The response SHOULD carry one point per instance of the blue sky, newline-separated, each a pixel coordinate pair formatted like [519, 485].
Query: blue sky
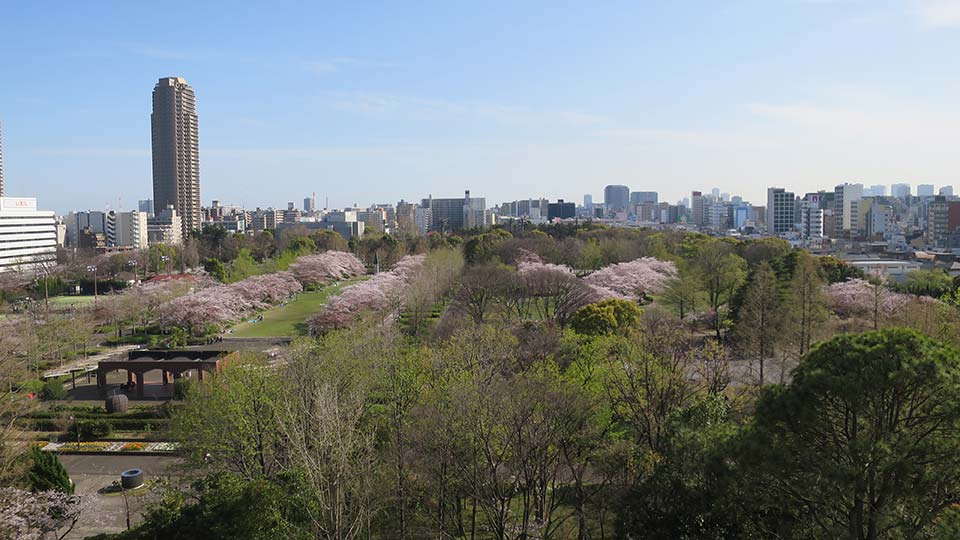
[368, 102]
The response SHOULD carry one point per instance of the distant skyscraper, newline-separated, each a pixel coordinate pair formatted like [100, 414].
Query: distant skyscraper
[644, 197]
[696, 208]
[876, 190]
[901, 191]
[176, 151]
[588, 202]
[925, 190]
[946, 191]
[310, 203]
[616, 198]
[561, 210]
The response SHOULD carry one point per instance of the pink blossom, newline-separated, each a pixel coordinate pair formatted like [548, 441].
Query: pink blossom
[525, 256]
[34, 516]
[530, 266]
[384, 290]
[631, 280]
[858, 297]
[327, 267]
[224, 304]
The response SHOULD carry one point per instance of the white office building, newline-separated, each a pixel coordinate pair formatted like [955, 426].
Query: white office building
[127, 229]
[781, 209]
[28, 237]
[847, 200]
[810, 217]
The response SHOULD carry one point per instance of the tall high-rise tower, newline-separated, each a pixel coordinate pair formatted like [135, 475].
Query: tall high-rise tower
[176, 151]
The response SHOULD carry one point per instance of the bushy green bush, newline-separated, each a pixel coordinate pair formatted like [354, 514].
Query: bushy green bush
[606, 317]
[46, 472]
[53, 390]
[181, 387]
[91, 429]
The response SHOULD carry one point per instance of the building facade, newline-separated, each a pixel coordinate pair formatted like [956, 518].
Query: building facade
[696, 208]
[75, 222]
[28, 237]
[561, 210]
[453, 214]
[846, 201]
[127, 229]
[165, 227]
[781, 211]
[644, 197]
[616, 198]
[943, 221]
[176, 151]
[900, 191]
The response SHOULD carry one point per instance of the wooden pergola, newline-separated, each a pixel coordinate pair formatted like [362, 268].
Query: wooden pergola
[173, 363]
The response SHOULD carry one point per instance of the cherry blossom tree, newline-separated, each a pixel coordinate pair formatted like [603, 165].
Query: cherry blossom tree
[327, 267]
[547, 291]
[382, 291]
[635, 279]
[224, 304]
[859, 298]
[37, 516]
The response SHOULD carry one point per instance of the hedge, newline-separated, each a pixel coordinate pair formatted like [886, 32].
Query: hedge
[116, 424]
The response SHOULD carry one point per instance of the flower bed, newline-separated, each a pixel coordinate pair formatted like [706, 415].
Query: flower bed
[133, 447]
[107, 446]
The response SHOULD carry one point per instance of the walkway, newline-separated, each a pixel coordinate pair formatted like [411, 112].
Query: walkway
[88, 363]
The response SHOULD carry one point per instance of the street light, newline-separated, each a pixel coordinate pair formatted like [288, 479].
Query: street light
[93, 268]
[133, 263]
[163, 259]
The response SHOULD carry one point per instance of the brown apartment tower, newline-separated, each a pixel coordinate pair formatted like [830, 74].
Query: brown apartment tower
[176, 151]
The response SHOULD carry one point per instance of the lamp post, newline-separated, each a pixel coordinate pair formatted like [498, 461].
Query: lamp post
[93, 268]
[132, 263]
[161, 259]
[126, 505]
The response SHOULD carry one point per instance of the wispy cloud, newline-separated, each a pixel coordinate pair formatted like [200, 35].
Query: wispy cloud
[374, 104]
[937, 13]
[891, 121]
[331, 65]
[87, 152]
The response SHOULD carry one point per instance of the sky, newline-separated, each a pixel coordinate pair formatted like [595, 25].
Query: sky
[365, 102]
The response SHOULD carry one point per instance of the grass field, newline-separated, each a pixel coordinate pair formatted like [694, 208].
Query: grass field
[70, 301]
[285, 321]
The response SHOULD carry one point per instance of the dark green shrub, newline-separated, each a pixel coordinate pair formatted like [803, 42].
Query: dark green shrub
[46, 472]
[181, 387]
[91, 429]
[53, 390]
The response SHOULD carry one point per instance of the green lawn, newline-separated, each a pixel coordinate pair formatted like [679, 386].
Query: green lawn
[70, 301]
[283, 321]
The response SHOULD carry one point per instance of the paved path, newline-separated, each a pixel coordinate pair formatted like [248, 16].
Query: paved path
[89, 361]
[106, 513]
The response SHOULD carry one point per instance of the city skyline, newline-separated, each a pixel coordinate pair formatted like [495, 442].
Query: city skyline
[359, 104]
